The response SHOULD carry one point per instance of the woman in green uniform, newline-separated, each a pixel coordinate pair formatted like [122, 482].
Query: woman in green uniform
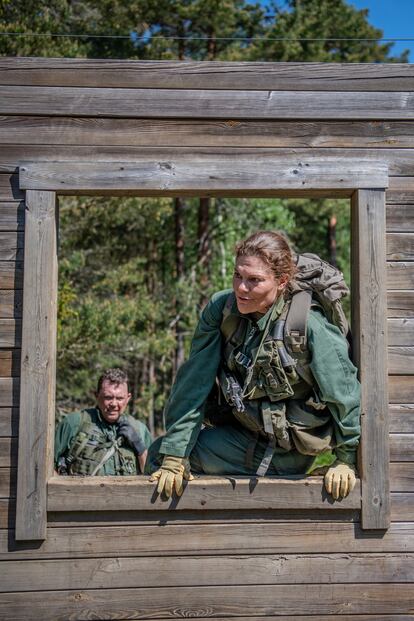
[275, 410]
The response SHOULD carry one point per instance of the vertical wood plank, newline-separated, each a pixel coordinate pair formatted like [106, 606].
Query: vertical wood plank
[37, 386]
[370, 347]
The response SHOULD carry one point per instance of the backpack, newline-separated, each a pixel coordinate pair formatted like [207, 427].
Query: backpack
[316, 282]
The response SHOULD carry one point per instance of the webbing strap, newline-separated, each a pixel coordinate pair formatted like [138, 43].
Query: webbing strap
[296, 321]
[267, 458]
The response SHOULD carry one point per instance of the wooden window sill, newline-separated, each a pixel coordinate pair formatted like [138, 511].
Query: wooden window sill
[204, 493]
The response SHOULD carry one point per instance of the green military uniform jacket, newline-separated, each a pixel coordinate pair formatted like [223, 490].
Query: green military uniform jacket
[68, 428]
[335, 378]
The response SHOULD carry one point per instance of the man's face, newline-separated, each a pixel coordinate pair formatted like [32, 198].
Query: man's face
[112, 400]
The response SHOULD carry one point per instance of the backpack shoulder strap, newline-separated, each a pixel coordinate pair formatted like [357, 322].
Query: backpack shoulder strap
[296, 321]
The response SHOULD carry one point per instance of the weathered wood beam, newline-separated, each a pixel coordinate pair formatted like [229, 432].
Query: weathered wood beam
[400, 275]
[205, 104]
[136, 493]
[196, 536]
[400, 246]
[400, 304]
[212, 174]
[38, 358]
[72, 131]
[398, 161]
[401, 360]
[401, 390]
[251, 601]
[401, 332]
[11, 276]
[217, 75]
[370, 346]
[179, 571]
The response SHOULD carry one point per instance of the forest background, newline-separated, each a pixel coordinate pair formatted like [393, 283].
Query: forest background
[134, 273]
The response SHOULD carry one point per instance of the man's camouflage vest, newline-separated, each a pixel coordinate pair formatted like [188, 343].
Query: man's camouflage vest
[96, 444]
[277, 394]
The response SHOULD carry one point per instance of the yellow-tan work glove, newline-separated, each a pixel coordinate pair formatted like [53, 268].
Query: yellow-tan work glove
[340, 480]
[171, 475]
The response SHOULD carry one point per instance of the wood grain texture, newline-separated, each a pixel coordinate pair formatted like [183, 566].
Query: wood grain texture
[9, 418]
[400, 275]
[398, 161]
[37, 386]
[402, 477]
[400, 246]
[206, 493]
[401, 418]
[401, 360]
[370, 340]
[401, 389]
[8, 452]
[400, 304]
[10, 333]
[11, 275]
[402, 447]
[221, 75]
[8, 478]
[11, 246]
[400, 218]
[401, 332]
[10, 304]
[402, 507]
[9, 188]
[402, 184]
[165, 538]
[203, 103]
[9, 391]
[213, 601]
[206, 173]
[176, 571]
[403, 198]
[70, 131]
[11, 216]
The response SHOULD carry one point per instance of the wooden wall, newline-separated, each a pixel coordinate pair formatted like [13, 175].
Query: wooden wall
[277, 564]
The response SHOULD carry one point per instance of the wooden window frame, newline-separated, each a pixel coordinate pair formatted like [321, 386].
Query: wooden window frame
[363, 181]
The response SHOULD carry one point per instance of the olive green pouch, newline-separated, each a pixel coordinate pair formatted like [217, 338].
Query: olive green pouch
[311, 430]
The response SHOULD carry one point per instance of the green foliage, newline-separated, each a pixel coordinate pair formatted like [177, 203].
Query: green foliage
[334, 22]
[118, 292]
[120, 302]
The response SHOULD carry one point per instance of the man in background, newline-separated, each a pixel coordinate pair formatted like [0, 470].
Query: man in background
[103, 440]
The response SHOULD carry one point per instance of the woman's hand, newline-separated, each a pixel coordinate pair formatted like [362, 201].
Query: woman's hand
[171, 475]
[340, 480]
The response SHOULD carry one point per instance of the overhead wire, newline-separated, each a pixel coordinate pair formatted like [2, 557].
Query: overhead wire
[133, 36]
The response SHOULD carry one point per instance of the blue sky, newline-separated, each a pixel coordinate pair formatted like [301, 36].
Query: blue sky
[394, 17]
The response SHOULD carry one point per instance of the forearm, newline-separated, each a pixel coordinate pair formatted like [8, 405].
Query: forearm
[337, 385]
[195, 379]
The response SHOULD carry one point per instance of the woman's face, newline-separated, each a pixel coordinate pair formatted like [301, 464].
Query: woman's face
[255, 285]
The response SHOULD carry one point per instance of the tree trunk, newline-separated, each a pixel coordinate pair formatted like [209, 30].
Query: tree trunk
[180, 271]
[204, 251]
[332, 240]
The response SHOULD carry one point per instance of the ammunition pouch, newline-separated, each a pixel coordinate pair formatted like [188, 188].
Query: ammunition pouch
[311, 428]
[267, 378]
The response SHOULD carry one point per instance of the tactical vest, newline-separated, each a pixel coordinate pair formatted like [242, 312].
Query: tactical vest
[95, 445]
[279, 399]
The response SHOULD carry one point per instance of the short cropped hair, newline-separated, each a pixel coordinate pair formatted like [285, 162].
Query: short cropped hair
[114, 376]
